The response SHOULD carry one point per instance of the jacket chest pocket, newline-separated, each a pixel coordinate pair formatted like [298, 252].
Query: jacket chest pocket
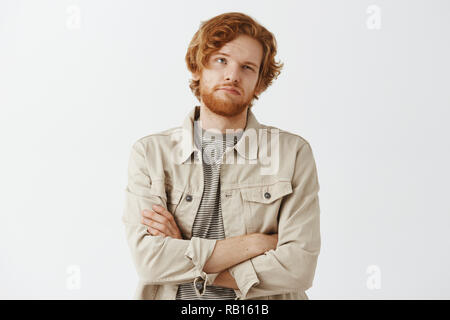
[262, 205]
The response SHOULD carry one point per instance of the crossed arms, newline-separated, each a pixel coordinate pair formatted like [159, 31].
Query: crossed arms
[226, 253]
[258, 269]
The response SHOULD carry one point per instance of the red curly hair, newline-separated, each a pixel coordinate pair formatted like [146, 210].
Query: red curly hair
[216, 32]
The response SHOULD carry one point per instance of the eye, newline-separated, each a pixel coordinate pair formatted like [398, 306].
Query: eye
[244, 66]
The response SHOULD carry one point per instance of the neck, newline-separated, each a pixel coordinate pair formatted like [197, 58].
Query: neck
[211, 120]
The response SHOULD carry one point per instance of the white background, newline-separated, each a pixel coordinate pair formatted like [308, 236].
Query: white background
[80, 81]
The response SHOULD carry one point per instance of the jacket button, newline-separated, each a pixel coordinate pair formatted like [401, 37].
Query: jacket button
[267, 195]
[189, 198]
[199, 285]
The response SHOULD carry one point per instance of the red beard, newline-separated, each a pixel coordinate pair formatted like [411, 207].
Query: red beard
[224, 103]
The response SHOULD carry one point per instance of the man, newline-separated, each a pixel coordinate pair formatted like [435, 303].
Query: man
[208, 218]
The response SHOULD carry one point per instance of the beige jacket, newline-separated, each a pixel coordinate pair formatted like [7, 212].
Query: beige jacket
[269, 187]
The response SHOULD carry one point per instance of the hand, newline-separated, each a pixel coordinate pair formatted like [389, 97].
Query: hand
[160, 222]
[226, 280]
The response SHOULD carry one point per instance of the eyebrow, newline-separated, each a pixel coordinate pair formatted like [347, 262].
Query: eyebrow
[227, 55]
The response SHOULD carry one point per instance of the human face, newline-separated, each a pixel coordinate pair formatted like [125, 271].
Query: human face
[236, 66]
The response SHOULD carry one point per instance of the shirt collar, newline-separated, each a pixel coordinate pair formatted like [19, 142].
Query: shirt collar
[187, 137]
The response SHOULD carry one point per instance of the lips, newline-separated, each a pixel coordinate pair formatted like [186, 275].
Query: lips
[230, 89]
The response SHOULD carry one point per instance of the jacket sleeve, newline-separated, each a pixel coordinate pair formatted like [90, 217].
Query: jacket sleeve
[159, 260]
[291, 266]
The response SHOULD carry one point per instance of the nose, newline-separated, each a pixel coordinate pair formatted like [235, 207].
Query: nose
[232, 73]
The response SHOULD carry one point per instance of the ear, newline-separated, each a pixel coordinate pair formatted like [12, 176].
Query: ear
[196, 76]
[259, 90]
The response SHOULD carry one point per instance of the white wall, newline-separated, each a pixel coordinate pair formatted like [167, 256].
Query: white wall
[81, 80]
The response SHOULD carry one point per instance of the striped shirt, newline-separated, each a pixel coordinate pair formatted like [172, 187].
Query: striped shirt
[208, 222]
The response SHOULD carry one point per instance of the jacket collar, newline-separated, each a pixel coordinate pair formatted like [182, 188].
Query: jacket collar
[251, 130]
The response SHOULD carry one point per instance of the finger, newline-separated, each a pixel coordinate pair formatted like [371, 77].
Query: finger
[155, 232]
[157, 226]
[148, 213]
[167, 214]
[156, 217]
[163, 211]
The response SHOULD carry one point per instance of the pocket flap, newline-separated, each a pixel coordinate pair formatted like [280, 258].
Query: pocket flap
[269, 193]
